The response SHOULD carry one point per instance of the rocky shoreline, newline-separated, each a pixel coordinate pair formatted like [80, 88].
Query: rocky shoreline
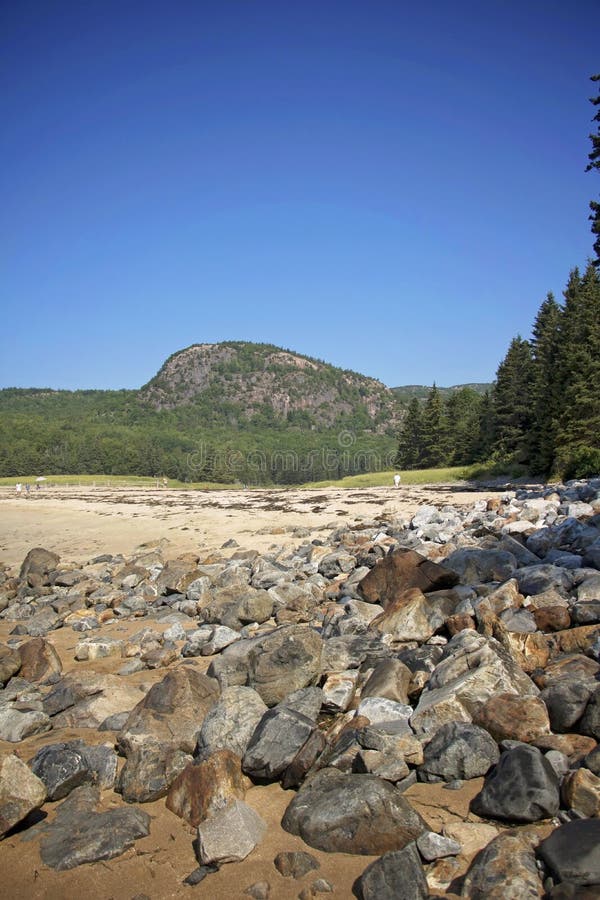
[439, 648]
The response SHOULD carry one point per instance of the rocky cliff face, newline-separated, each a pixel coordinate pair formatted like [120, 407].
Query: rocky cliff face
[261, 378]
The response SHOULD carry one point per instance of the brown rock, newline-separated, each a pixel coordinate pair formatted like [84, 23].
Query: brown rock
[401, 570]
[574, 746]
[459, 622]
[390, 679]
[39, 661]
[508, 717]
[552, 618]
[204, 788]
[581, 791]
[176, 576]
[574, 665]
[576, 639]
[530, 651]
[10, 663]
[39, 562]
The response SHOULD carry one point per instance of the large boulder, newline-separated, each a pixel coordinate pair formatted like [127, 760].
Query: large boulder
[230, 722]
[150, 769]
[401, 570]
[458, 750]
[39, 661]
[509, 717]
[352, 814]
[284, 661]
[523, 787]
[474, 565]
[572, 852]
[397, 875]
[505, 870]
[171, 713]
[414, 616]
[278, 737]
[21, 792]
[39, 562]
[206, 786]
[86, 699]
[61, 768]
[472, 669]
[10, 663]
[229, 835]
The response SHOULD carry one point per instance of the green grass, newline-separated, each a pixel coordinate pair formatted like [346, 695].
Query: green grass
[386, 479]
[114, 481]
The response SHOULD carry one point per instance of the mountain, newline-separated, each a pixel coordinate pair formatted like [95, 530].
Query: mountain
[249, 381]
[405, 393]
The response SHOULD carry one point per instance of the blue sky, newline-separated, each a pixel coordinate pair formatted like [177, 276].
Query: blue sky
[389, 186]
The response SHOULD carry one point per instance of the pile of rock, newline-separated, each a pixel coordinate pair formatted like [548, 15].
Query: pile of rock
[451, 646]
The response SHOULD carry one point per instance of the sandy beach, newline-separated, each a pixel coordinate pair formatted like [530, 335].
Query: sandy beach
[78, 523]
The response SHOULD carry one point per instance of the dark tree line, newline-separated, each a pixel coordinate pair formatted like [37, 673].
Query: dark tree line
[543, 412]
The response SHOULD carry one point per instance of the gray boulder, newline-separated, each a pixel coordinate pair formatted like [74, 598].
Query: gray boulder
[590, 723]
[537, 579]
[458, 750]
[572, 852]
[284, 661]
[277, 739]
[352, 814]
[81, 835]
[505, 870]
[61, 768]
[523, 787]
[230, 722]
[475, 566]
[150, 769]
[566, 701]
[397, 875]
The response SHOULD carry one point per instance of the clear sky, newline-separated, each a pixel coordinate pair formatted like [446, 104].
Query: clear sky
[390, 186]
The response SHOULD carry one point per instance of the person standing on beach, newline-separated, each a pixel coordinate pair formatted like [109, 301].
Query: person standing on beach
[397, 480]
[19, 488]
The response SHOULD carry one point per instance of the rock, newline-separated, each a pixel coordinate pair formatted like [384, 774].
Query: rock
[16, 725]
[376, 762]
[537, 579]
[522, 788]
[150, 769]
[10, 663]
[397, 875]
[260, 890]
[171, 713]
[378, 709]
[471, 670]
[61, 768]
[101, 760]
[98, 648]
[474, 565]
[39, 562]
[508, 717]
[458, 751]
[206, 786]
[285, 661]
[435, 846]
[278, 737]
[339, 690]
[230, 722]
[592, 760]
[80, 835]
[572, 852]
[176, 577]
[589, 589]
[551, 618]
[566, 701]
[229, 835]
[221, 637]
[580, 790]
[413, 616]
[574, 746]
[39, 661]
[352, 814]
[21, 792]
[471, 836]
[295, 864]
[586, 613]
[590, 722]
[400, 571]
[85, 699]
[505, 870]
[304, 760]
[390, 679]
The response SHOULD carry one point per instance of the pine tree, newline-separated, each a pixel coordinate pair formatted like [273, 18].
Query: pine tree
[462, 415]
[545, 345]
[512, 401]
[410, 445]
[435, 431]
[579, 365]
[594, 163]
[484, 437]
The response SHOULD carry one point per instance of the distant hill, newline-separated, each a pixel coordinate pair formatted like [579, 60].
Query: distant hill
[406, 392]
[261, 382]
